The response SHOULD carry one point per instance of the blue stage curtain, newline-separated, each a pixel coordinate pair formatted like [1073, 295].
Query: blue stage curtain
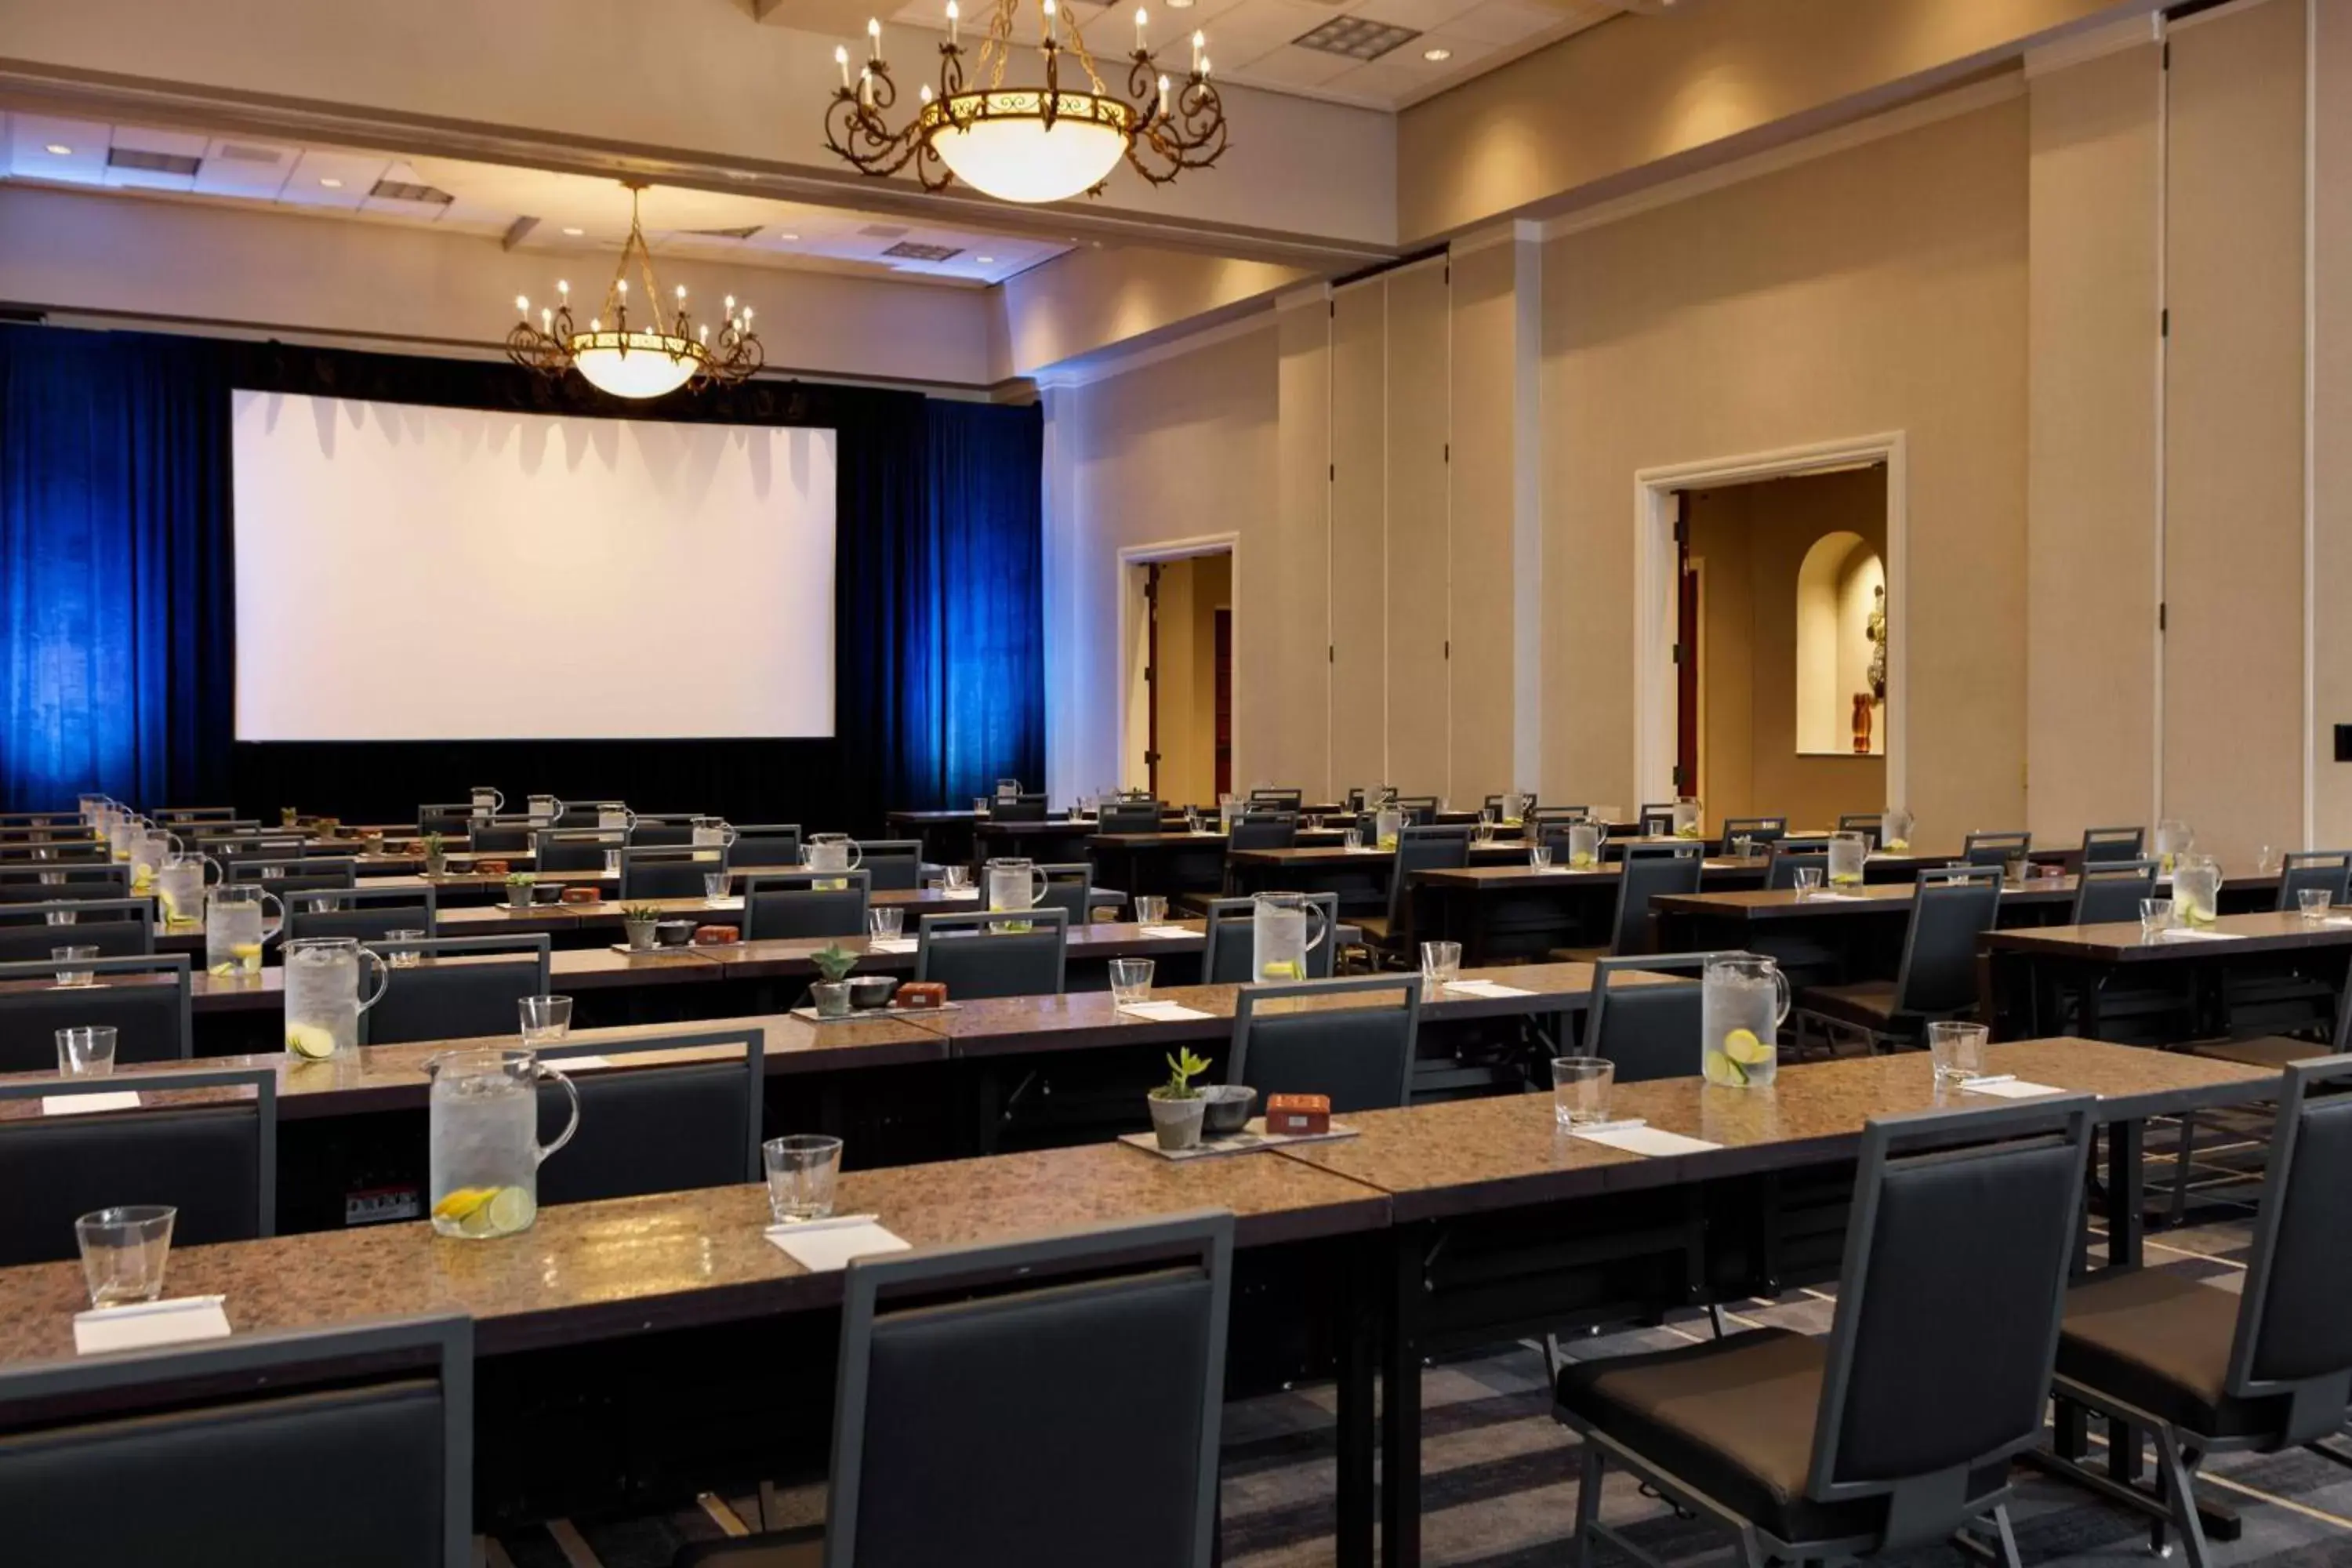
[987, 512]
[117, 628]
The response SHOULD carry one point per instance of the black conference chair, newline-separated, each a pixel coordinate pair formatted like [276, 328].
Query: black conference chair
[1069, 887]
[186, 1454]
[2114, 843]
[118, 928]
[976, 957]
[590, 813]
[579, 848]
[2290, 994]
[1420, 810]
[364, 914]
[896, 865]
[1128, 816]
[1064, 1447]
[1231, 930]
[450, 819]
[670, 871]
[149, 1002]
[1649, 1031]
[789, 904]
[215, 1161]
[70, 852]
[1277, 798]
[1361, 1057]
[464, 987]
[60, 884]
[1017, 808]
[1873, 823]
[647, 1127]
[768, 843]
[1760, 829]
[1782, 864]
[1264, 830]
[2316, 871]
[1545, 816]
[2266, 1367]
[1995, 848]
[1647, 871]
[501, 835]
[1951, 908]
[284, 876]
[189, 815]
[1493, 806]
[1854, 1444]
[1389, 935]
[667, 831]
[1657, 819]
[2109, 889]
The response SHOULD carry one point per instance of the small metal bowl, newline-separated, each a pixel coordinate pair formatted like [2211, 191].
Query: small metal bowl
[673, 933]
[869, 991]
[1228, 1109]
[545, 894]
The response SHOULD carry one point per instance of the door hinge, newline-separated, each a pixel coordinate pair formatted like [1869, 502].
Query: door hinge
[1151, 759]
[1680, 652]
[2164, 323]
[1335, 473]
[2165, 64]
[1680, 781]
[1449, 648]
[1150, 673]
[2159, 614]
[1449, 451]
[1332, 653]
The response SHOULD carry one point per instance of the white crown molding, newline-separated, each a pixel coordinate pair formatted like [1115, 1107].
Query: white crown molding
[1309, 297]
[1085, 373]
[1498, 233]
[2095, 43]
[1877, 128]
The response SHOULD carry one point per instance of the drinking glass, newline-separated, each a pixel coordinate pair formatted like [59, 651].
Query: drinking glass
[545, 1019]
[2267, 862]
[1580, 1089]
[1485, 830]
[60, 917]
[1958, 1050]
[87, 1051]
[73, 955]
[2313, 901]
[1441, 963]
[885, 923]
[1354, 839]
[123, 1251]
[1131, 980]
[801, 1169]
[714, 886]
[1808, 881]
[1150, 909]
[1743, 845]
[397, 954]
[1539, 857]
[958, 879]
[2155, 918]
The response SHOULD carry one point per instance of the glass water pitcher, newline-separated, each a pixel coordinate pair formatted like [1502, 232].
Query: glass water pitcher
[1743, 1000]
[832, 852]
[1584, 841]
[2196, 888]
[2173, 839]
[1894, 830]
[322, 994]
[482, 1131]
[487, 800]
[235, 932]
[1686, 817]
[1848, 851]
[1014, 884]
[1281, 938]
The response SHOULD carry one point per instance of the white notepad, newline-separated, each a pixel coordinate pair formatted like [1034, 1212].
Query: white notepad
[1167, 933]
[578, 1063]
[2009, 1088]
[890, 944]
[1484, 988]
[823, 1245]
[88, 1104]
[1640, 1138]
[149, 1323]
[1164, 1011]
[2189, 933]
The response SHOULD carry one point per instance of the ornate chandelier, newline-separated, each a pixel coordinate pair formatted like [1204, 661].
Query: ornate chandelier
[1028, 143]
[634, 362]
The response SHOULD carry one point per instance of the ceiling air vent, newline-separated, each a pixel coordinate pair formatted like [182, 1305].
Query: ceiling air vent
[401, 191]
[245, 152]
[882, 231]
[911, 251]
[152, 162]
[744, 233]
[1356, 37]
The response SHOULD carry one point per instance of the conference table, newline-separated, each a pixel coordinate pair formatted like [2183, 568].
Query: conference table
[2027, 967]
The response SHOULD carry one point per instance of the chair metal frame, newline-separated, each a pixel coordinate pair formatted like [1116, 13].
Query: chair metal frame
[1247, 999]
[977, 923]
[139, 912]
[262, 1080]
[806, 882]
[712, 856]
[539, 946]
[753, 1038]
[334, 898]
[2096, 841]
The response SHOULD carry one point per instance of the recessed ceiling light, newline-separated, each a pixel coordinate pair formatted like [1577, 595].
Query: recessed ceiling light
[575, 233]
[59, 150]
[332, 183]
[1179, 5]
[1434, 56]
[985, 261]
[788, 238]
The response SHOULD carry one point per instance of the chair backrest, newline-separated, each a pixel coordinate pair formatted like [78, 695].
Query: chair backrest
[118, 928]
[214, 1159]
[1420, 810]
[669, 870]
[894, 864]
[365, 914]
[1422, 849]
[1360, 1056]
[768, 843]
[655, 1127]
[149, 1002]
[1017, 808]
[1128, 816]
[184, 1453]
[283, 877]
[172, 815]
[1950, 1301]
[1994, 848]
[1950, 908]
[1280, 799]
[2325, 871]
[1088, 1375]
[1657, 819]
[976, 957]
[1650, 870]
[587, 813]
[2114, 843]
[666, 831]
[579, 848]
[790, 904]
[1873, 823]
[37, 853]
[1493, 803]
[446, 817]
[1069, 887]
[501, 835]
[54, 884]
[1226, 954]
[1762, 830]
[1782, 864]
[231, 848]
[2107, 890]
[465, 987]
[1650, 1031]
[1264, 830]
[2294, 1338]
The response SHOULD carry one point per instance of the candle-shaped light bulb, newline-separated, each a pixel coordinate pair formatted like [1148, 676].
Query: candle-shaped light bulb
[623, 285]
[927, 92]
[706, 331]
[731, 304]
[1204, 68]
[1200, 41]
[681, 293]
[873, 38]
[546, 320]
[595, 323]
[1163, 98]
[1140, 19]
[865, 88]
[841, 58]
[953, 15]
[523, 307]
[1052, 15]
[563, 289]
[747, 317]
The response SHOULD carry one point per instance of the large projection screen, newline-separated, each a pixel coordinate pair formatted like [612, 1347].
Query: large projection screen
[407, 573]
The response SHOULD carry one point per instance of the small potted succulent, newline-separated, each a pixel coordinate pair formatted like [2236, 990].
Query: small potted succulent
[436, 855]
[1176, 1106]
[833, 962]
[638, 921]
[518, 890]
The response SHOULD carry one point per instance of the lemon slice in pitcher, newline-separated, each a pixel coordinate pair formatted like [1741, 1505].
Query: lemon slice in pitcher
[1281, 969]
[509, 1210]
[310, 1041]
[459, 1202]
[1742, 1047]
[1720, 1068]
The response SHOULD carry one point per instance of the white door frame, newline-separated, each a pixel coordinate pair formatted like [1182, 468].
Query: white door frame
[1227, 545]
[1653, 582]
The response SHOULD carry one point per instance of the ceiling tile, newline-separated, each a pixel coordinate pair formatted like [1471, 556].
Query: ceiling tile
[1512, 21]
[1421, 15]
[352, 174]
[245, 167]
[1288, 65]
[83, 162]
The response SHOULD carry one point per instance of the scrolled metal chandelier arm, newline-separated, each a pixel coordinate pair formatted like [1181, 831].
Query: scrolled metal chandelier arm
[1180, 125]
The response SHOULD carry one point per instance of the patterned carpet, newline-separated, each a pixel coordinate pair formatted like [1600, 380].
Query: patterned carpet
[1500, 1487]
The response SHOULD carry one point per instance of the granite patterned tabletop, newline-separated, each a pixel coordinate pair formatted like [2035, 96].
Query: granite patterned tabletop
[2122, 943]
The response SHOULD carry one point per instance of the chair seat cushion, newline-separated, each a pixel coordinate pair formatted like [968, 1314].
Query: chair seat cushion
[1864, 1005]
[1731, 1417]
[1375, 927]
[2263, 1051]
[801, 1547]
[2160, 1343]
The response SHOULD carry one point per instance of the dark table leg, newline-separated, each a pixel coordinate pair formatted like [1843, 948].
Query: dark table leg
[1401, 1405]
[2127, 1234]
[1362, 1305]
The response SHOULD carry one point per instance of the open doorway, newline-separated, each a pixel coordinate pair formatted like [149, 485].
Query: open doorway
[1781, 639]
[1178, 685]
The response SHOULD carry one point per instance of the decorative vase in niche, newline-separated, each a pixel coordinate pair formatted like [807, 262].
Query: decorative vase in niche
[1861, 724]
